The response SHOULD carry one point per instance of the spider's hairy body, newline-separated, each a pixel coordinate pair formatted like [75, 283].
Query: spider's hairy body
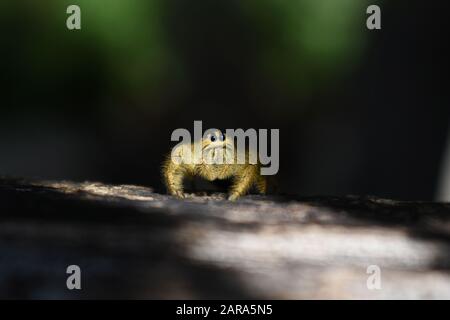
[244, 176]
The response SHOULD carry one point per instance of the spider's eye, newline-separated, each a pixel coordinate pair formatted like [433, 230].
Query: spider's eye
[222, 137]
[213, 138]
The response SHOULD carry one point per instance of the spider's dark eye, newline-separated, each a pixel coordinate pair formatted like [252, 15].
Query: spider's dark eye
[213, 138]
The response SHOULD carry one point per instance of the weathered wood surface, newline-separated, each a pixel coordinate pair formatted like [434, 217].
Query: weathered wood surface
[133, 243]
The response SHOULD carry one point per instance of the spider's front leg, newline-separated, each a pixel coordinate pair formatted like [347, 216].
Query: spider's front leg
[243, 181]
[173, 178]
[261, 184]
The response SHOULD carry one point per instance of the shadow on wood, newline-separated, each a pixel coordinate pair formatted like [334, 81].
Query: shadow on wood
[131, 242]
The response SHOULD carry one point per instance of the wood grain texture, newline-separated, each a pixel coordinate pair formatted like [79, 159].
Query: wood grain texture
[131, 242]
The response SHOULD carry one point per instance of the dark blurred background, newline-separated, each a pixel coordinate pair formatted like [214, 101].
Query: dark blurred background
[359, 111]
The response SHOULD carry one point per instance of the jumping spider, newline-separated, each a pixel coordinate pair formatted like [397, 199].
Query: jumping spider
[213, 146]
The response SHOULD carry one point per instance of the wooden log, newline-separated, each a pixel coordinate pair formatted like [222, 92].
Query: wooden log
[131, 242]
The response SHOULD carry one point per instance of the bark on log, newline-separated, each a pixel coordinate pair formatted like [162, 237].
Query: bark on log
[131, 242]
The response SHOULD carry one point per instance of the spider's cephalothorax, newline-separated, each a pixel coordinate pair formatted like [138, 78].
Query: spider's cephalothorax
[217, 159]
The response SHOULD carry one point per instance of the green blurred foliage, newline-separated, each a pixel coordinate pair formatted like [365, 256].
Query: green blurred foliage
[308, 41]
[129, 35]
[125, 43]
